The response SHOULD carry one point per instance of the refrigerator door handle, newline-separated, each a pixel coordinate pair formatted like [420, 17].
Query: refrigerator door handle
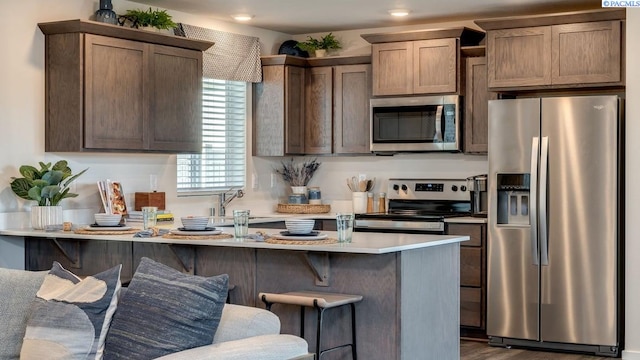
[533, 209]
[542, 202]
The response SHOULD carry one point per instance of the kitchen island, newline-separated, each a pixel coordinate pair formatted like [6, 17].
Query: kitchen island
[410, 282]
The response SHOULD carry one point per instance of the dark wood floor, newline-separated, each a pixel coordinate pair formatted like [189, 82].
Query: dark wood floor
[476, 350]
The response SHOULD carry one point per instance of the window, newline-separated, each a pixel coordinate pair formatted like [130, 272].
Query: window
[221, 165]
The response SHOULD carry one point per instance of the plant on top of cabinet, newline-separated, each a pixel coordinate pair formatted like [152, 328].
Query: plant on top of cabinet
[48, 186]
[158, 19]
[327, 42]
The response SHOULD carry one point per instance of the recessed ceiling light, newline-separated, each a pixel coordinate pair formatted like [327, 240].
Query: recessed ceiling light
[399, 12]
[242, 17]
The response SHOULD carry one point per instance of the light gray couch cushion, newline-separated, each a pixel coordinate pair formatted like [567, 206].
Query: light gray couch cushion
[239, 322]
[264, 347]
[17, 290]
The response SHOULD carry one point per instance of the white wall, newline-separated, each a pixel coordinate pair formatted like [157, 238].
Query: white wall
[632, 288]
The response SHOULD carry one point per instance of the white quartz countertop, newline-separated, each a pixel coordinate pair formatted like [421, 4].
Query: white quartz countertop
[363, 242]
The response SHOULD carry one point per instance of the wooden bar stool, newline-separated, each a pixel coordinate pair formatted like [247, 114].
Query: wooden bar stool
[321, 301]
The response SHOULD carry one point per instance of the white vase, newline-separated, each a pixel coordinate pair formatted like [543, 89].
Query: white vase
[321, 53]
[299, 190]
[41, 216]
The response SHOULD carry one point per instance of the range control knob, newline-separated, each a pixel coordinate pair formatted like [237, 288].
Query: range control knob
[454, 187]
[463, 188]
[404, 187]
[396, 187]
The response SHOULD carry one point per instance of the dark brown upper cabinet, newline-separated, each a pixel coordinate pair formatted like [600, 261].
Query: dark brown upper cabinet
[419, 62]
[110, 88]
[578, 49]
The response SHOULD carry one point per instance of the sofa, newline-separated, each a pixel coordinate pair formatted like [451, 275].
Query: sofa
[243, 332]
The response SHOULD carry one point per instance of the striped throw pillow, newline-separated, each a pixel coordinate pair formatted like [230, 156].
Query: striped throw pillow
[165, 311]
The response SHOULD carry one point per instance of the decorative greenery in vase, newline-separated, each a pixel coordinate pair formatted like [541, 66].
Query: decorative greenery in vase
[327, 42]
[158, 19]
[48, 185]
[298, 174]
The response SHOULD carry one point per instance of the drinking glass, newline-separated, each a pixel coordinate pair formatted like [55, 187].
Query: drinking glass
[241, 223]
[149, 215]
[344, 225]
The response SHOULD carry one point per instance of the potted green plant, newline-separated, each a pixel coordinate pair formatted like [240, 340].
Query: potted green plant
[47, 186]
[319, 46]
[155, 19]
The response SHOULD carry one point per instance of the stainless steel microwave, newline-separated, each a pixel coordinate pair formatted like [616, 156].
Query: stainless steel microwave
[415, 124]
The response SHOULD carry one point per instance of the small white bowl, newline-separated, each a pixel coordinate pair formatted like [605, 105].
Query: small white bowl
[299, 226]
[104, 219]
[195, 222]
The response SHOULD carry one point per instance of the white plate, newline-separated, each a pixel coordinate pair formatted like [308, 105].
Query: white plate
[196, 232]
[294, 237]
[107, 228]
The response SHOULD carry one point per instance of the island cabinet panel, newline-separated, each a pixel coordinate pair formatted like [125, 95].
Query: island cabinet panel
[318, 132]
[398, 288]
[113, 94]
[477, 95]
[80, 256]
[351, 119]
[278, 111]
[239, 264]
[473, 278]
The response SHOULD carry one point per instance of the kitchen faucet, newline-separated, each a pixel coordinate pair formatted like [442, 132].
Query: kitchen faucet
[225, 197]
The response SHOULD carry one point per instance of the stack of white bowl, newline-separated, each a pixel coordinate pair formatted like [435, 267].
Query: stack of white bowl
[195, 222]
[299, 226]
[105, 219]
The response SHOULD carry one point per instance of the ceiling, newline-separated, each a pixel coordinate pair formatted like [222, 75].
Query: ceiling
[307, 16]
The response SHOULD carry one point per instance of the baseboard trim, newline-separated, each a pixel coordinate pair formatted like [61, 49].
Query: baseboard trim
[630, 355]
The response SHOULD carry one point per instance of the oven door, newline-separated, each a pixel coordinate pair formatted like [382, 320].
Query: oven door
[399, 226]
[415, 124]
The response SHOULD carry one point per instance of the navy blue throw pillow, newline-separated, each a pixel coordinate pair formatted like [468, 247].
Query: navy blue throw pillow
[165, 311]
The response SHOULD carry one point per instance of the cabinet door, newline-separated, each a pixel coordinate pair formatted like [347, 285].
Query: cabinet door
[351, 120]
[519, 57]
[476, 131]
[586, 53]
[435, 66]
[175, 112]
[269, 113]
[294, 110]
[392, 65]
[318, 110]
[115, 93]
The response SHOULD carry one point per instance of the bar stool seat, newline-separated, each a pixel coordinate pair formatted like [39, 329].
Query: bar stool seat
[321, 301]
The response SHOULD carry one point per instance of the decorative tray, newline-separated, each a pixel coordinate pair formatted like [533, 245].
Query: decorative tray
[304, 208]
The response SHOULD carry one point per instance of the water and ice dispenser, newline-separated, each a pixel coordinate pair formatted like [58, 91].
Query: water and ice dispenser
[513, 199]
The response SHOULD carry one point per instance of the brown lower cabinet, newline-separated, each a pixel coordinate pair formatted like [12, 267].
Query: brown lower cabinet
[473, 279]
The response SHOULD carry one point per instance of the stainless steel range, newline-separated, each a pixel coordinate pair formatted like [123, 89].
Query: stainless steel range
[418, 206]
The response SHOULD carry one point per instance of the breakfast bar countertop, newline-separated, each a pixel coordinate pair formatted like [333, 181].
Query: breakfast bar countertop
[363, 242]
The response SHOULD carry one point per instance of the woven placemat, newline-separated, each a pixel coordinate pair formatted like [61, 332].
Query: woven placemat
[301, 242]
[197, 237]
[105, 232]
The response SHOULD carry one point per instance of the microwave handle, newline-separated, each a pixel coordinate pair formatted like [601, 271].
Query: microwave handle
[438, 136]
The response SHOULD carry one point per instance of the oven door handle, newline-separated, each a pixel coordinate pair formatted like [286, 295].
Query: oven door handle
[438, 135]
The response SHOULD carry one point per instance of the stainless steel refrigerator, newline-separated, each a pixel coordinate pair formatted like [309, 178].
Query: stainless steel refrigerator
[555, 244]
